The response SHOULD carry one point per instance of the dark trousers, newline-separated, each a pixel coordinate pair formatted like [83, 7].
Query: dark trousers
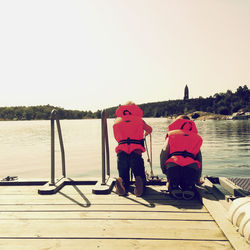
[132, 161]
[184, 176]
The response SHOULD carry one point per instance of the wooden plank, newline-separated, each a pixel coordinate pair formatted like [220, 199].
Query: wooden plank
[219, 213]
[5, 190]
[33, 190]
[69, 189]
[105, 215]
[68, 199]
[75, 208]
[71, 198]
[200, 230]
[97, 207]
[89, 201]
[154, 190]
[10, 190]
[92, 197]
[65, 244]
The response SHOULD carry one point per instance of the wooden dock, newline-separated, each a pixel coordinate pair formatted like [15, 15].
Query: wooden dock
[74, 218]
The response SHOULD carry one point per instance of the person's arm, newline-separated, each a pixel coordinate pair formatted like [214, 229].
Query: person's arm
[164, 155]
[117, 120]
[200, 180]
[148, 129]
[199, 158]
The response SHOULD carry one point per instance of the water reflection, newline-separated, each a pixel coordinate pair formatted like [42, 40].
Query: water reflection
[225, 148]
[25, 147]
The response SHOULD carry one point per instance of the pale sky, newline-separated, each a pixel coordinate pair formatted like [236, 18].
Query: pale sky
[95, 54]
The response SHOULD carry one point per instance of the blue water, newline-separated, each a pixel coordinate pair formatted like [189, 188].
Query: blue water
[226, 148]
[25, 147]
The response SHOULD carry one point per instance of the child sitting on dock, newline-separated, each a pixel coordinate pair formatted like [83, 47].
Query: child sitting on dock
[181, 158]
[129, 130]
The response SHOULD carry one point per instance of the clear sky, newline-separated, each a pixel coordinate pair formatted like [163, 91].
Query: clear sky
[94, 54]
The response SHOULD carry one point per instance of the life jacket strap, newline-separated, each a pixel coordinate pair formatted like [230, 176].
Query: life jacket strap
[183, 153]
[132, 141]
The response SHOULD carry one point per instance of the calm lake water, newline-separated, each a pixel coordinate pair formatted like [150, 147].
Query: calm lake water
[25, 147]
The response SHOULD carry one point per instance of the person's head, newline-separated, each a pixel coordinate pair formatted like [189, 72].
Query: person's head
[129, 103]
[183, 117]
[129, 108]
[183, 122]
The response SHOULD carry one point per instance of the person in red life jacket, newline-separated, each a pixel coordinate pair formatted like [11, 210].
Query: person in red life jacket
[181, 158]
[128, 131]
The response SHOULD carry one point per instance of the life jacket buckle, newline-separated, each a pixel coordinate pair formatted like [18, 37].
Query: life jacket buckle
[132, 141]
[128, 141]
[185, 154]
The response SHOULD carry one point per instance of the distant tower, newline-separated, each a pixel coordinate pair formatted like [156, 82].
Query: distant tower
[186, 95]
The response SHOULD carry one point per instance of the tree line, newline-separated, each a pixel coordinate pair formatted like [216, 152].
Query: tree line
[43, 112]
[220, 103]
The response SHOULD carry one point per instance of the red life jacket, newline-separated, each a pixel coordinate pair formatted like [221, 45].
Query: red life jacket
[129, 131]
[184, 142]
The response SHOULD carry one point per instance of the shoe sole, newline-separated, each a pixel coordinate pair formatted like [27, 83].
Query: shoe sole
[120, 189]
[177, 193]
[138, 186]
[188, 195]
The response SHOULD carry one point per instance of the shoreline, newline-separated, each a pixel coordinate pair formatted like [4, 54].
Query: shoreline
[196, 115]
[204, 116]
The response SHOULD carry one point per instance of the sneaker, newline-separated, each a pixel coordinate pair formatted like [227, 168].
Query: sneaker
[138, 191]
[176, 192]
[120, 189]
[188, 193]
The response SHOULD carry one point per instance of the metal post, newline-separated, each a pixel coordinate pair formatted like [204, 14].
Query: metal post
[103, 149]
[107, 145]
[61, 146]
[104, 186]
[52, 119]
[151, 159]
[52, 182]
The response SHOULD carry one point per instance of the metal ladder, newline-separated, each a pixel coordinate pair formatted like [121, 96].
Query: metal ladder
[106, 184]
[53, 186]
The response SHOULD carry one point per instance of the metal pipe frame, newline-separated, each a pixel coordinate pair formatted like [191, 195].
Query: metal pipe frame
[54, 117]
[105, 148]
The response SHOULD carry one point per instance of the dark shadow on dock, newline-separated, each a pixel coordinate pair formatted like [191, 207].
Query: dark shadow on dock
[88, 203]
[164, 198]
[130, 197]
[153, 197]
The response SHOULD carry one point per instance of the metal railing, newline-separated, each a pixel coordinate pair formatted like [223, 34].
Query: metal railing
[54, 116]
[105, 148]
